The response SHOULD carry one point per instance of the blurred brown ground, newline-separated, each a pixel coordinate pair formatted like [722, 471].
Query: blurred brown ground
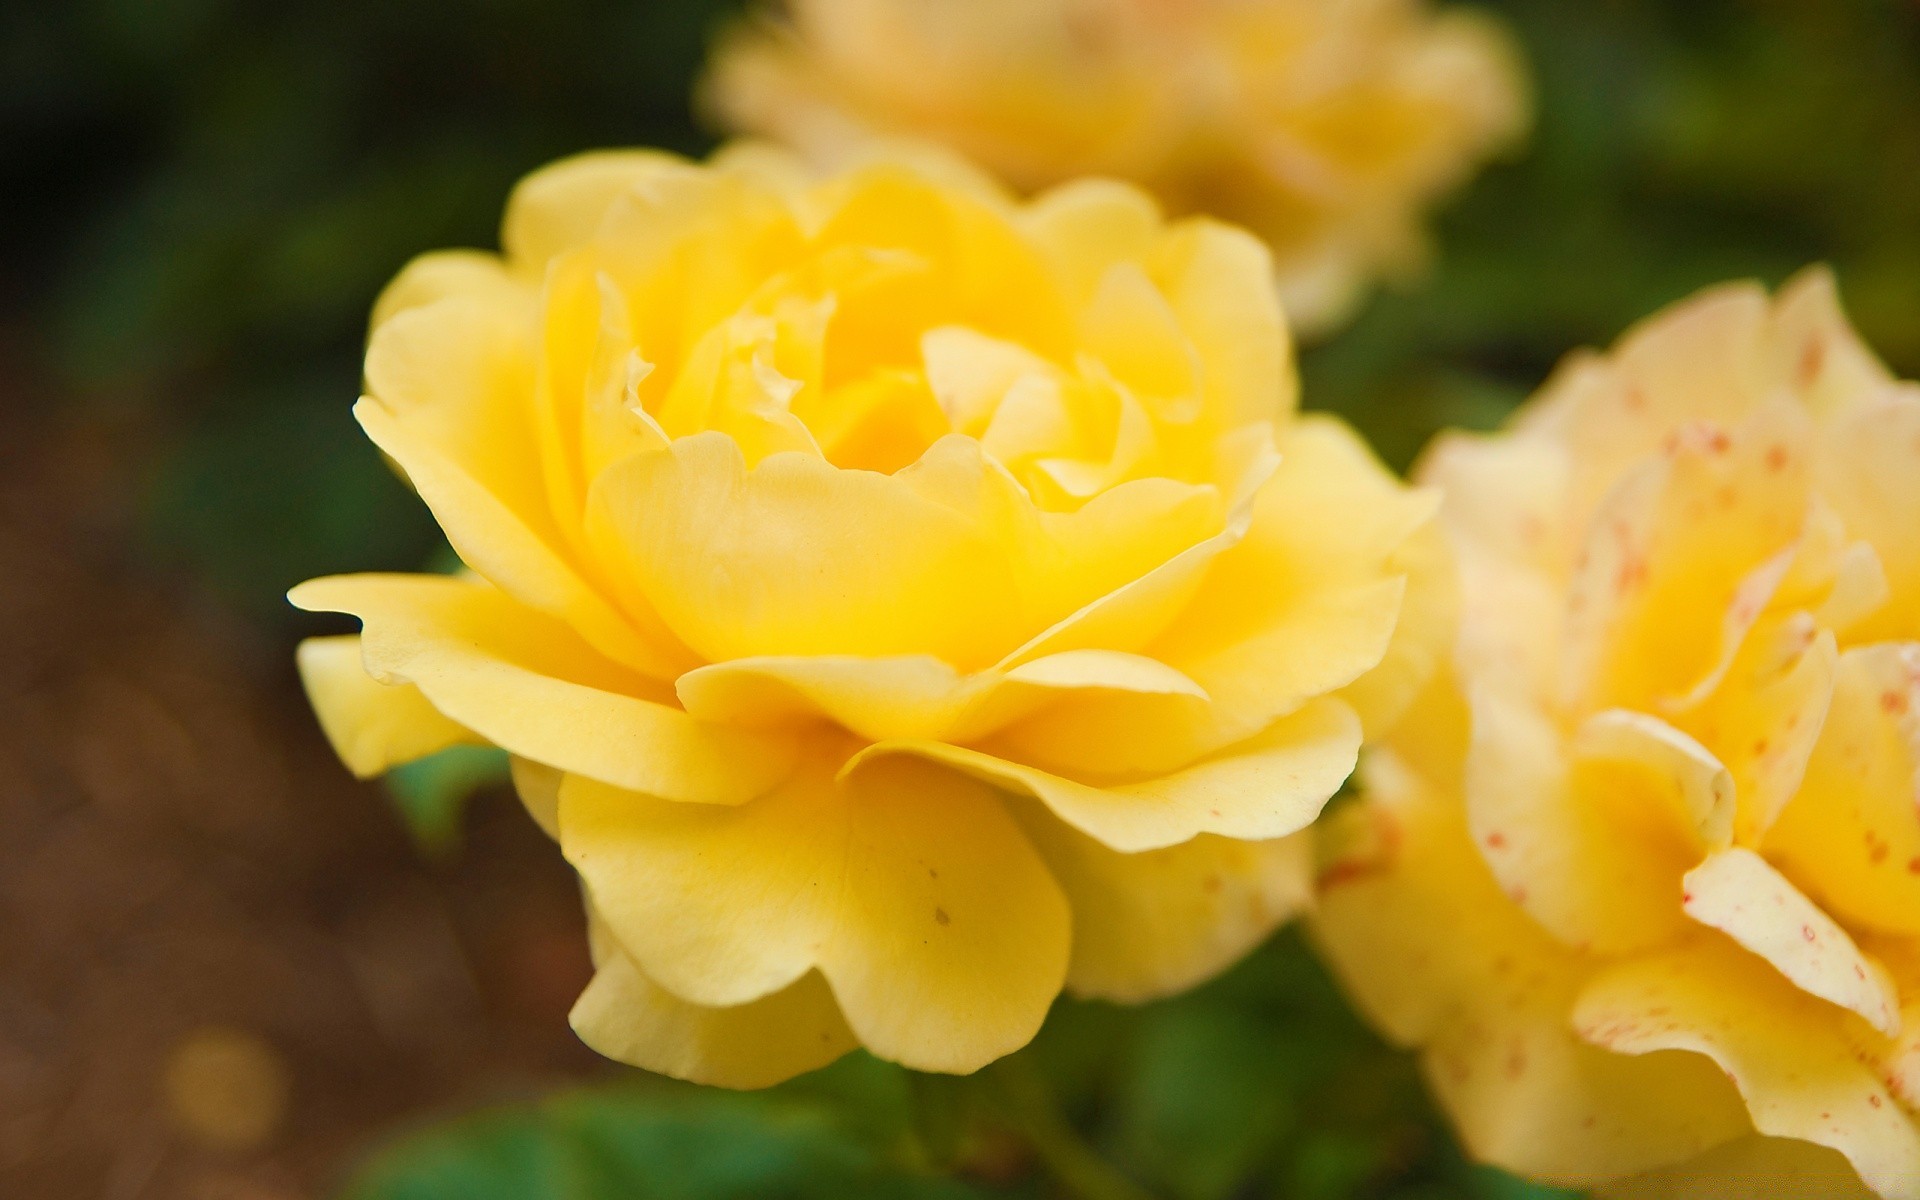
[183, 863]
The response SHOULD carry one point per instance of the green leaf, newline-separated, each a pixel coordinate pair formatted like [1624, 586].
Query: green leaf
[432, 793]
[652, 1140]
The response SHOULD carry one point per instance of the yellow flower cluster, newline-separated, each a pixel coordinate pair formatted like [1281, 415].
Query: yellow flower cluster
[1325, 126]
[1642, 879]
[899, 602]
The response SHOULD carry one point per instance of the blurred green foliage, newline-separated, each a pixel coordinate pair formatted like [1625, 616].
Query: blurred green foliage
[202, 198]
[432, 793]
[815, 1141]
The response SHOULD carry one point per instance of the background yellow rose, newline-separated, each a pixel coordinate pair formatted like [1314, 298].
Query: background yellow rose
[1643, 878]
[1325, 126]
[900, 602]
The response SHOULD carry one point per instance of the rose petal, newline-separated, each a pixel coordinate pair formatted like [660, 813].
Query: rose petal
[1506, 514]
[1158, 922]
[911, 697]
[1871, 474]
[1593, 851]
[1697, 790]
[1683, 559]
[1738, 893]
[565, 203]
[1218, 280]
[1310, 601]
[508, 552]
[1426, 943]
[1822, 356]
[909, 887]
[1749, 1168]
[1764, 722]
[627, 1017]
[1851, 834]
[1781, 1047]
[448, 273]
[538, 787]
[527, 683]
[947, 558]
[372, 726]
[1266, 787]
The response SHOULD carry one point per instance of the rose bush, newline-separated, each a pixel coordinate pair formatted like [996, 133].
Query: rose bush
[1323, 125]
[1642, 880]
[898, 602]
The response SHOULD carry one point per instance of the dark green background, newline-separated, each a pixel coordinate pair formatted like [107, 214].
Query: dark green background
[202, 197]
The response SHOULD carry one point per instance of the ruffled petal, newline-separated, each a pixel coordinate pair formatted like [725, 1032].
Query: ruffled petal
[1898, 1058]
[1267, 787]
[506, 549]
[1307, 603]
[1218, 281]
[1158, 922]
[947, 557]
[1702, 360]
[1592, 850]
[1327, 529]
[1411, 921]
[527, 683]
[1781, 1047]
[1851, 835]
[1819, 351]
[1765, 721]
[447, 273]
[1683, 780]
[992, 278]
[797, 557]
[628, 1018]
[1528, 1096]
[1324, 642]
[565, 203]
[1871, 475]
[372, 726]
[1421, 936]
[912, 697]
[1740, 894]
[457, 374]
[1506, 514]
[1133, 612]
[1086, 226]
[1683, 559]
[910, 888]
[1750, 1168]
[1129, 326]
[1422, 636]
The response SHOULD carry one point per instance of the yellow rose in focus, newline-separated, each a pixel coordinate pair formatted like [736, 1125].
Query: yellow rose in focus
[1642, 879]
[899, 603]
[1325, 126]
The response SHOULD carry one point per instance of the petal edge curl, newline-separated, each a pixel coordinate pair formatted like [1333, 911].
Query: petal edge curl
[529, 684]
[1268, 786]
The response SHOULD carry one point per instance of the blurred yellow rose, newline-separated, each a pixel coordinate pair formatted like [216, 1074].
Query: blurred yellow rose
[1642, 878]
[899, 603]
[1325, 126]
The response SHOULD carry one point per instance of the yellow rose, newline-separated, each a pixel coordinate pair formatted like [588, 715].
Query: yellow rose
[1325, 126]
[1642, 879]
[899, 603]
